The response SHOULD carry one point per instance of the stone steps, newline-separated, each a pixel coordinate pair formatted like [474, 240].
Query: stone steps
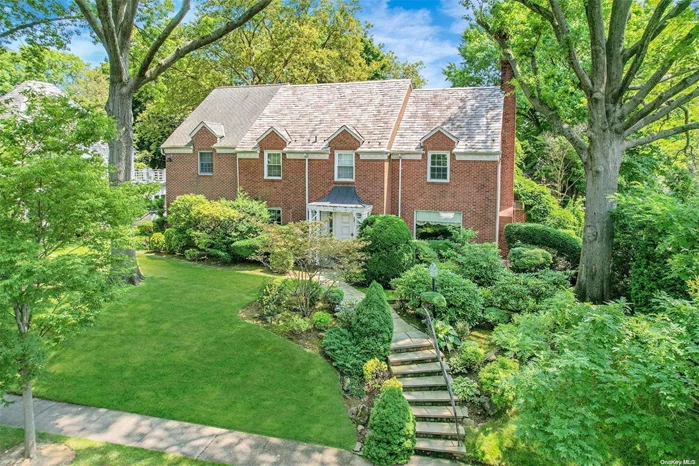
[438, 429]
[419, 369]
[414, 344]
[423, 383]
[412, 357]
[438, 412]
[427, 396]
[443, 446]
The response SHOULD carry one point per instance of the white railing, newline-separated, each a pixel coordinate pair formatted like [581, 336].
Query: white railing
[149, 175]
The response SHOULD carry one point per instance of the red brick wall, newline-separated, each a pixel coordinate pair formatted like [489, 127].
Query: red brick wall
[470, 190]
[507, 144]
[183, 171]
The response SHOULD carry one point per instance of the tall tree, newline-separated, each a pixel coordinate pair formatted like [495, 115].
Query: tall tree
[59, 220]
[627, 64]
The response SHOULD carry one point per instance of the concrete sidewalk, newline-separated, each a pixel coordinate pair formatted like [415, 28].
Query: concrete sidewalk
[182, 438]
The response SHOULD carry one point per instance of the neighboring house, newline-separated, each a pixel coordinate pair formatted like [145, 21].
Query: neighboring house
[340, 152]
[17, 99]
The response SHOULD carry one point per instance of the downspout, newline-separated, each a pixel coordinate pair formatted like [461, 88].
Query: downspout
[497, 212]
[400, 183]
[237, 172]
[307, 187]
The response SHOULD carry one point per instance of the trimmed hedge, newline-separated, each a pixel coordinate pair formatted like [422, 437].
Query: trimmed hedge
[246, 249]
[388, 247]
[564, 244]
[525, 259]
[392, 436]
[374, 324]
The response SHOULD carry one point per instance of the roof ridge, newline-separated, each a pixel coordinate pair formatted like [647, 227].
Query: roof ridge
[456, 88]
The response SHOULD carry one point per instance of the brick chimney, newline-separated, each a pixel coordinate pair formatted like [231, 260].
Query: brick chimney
[509, 121]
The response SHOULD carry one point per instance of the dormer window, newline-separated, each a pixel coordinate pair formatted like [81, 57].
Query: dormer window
[344, 166]
[273, 165]
[438, 166]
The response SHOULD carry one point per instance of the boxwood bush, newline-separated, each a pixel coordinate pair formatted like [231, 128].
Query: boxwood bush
[470, 355]
[549, 238]
[529, 259]
[479, 262]
[388, 247]
[245, 249]
[497, 379]
[423, 253]
[392, 438]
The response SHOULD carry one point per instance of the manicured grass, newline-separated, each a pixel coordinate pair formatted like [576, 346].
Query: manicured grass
[174, 347]
[390, 294]
[90, 453]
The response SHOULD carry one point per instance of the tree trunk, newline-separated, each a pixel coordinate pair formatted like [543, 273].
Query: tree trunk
[119, 106]
[29, 430]
[602, 175]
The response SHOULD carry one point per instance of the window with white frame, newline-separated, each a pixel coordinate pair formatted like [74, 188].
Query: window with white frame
[344, 166]
[438, 166]
[206, 163]
[273, 165]
[275, 215]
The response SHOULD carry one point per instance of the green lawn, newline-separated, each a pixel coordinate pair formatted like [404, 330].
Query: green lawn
[90, 453]
[174, 347]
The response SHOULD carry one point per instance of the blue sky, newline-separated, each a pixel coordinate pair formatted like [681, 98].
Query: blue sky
[416, 30]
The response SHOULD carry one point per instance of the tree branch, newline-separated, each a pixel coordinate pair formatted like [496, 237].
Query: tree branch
[652, 118]
[126, 23]
[198, 43]
[661, 135]
[38, 22]
[663, 97]
[111, 42]
[162, 37]
[635, 48]
[616, 35]
[91, 20]
[598, 46]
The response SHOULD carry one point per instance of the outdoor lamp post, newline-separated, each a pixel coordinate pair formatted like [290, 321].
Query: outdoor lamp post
[433, 273]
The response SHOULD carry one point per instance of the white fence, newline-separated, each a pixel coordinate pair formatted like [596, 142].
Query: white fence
[149, 175]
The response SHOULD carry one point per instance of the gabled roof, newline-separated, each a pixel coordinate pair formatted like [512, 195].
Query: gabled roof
[439, 129]
[311, 113]
[281, 133]
[472, 115]
[342, 195]
[214, 127]
[235, 108]
[17, 98]
[355, 134]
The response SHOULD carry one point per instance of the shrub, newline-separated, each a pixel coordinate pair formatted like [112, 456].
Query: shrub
[497, 379]
[442, 247]
[192, 254]
[391, 439]
[411, 284]
[495, 316]
[339, 344]
[145, 228]
[562, 244]
[447, 338]
[392, 383]
[175, 241]
[479, 262]
[272, 298]
[219, 255]
[160, 224]
[388, 247]
[334, 296]
[423, 253]
[542, 207]
[281, 261]
[156, 242]
[298, 325]
[373, 327]
[245, 249]
[375, 374]
[524, 259]
[322, 320]
[522, 292]
[470, 355]
[465, 389]
[181, 211]
[305, 294]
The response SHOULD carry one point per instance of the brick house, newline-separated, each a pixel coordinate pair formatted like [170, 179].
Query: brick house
[342, 151]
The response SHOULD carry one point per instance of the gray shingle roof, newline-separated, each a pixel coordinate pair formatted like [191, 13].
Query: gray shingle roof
[342, 195]
[472, 114]
[235, 108]
[16, 97]
[311, 113]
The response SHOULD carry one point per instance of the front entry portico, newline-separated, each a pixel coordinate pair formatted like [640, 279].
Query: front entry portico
[342, 211]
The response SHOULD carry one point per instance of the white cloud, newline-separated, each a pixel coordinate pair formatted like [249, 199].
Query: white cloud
[414, 35]
[456, 12]
[86, 49]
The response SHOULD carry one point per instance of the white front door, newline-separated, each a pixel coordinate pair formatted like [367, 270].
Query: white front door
[343, 225]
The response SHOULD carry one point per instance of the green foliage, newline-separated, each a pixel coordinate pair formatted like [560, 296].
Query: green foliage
[433, 298]
[322, 320]
[479, 262]
[447, 338]
[388, 247]
[144, 228]
[656, 245]
[633, 379]
[339, 344]
[175, 241]
[281, 261]
[192, 254]
[495, 316]
[156, 242]
[246, 249]
[272, 298]
[334, 296]
[497, 379]
[465, 389]
[423, 253]
[524, 259]
[542, 207]
[391, 439]
[374, 325]
[464, 301]
[296, 324]
[558, 242]
[522, 292]
[470, 356]
[375, 374]
[441, 247]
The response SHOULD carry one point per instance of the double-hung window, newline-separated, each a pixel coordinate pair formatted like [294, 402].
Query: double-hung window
[273, 165]
[438, 166]
[206, 163]
[344, 166]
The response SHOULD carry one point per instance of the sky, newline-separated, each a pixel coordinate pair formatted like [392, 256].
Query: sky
[416, 30]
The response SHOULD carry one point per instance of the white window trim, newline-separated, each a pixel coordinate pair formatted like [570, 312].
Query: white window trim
[199, 162]
[429, 164]
[281, 216]
[354, 165]
[281, 164]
